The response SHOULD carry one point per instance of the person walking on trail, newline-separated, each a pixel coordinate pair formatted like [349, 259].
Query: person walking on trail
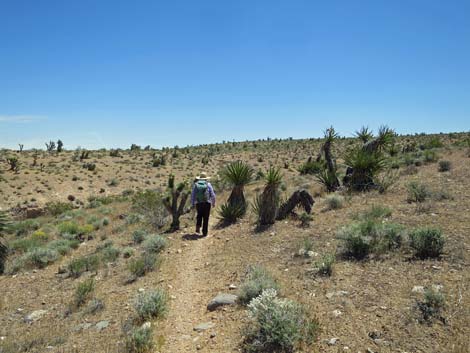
[203, 197]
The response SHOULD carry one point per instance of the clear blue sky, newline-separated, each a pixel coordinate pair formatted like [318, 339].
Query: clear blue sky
[102, 73]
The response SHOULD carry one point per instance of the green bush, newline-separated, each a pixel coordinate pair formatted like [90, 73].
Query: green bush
[56, 208]
[110, 254]
[151, 305]
[417, 192]
[305, 219]
[445, 166]
[139, 340]
[127, 252]
[432, 304]
[334, 202]
[25, 244]
[371, 236]
[83, 264]
[430, 156]
[311, 167]
[376, 212]
[154, 244]
[256, 281]
[278, 325]
[63, 246]
[150, 204]
[84, 292]
[24, 227]
[427, 242]
[139, 236]
[144, 264]
[325, 265]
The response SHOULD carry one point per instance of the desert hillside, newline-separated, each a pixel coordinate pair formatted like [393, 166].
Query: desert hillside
[93, 259]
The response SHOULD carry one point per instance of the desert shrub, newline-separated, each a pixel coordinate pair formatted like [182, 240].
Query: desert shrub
[134, 218]
[68, 227]
[96, 305]
[113, 182]
[105, 221]
[139, 340]
[374, 213]
[150, 204]
[24, 227]
[41, 257]
[257, 279]
[40, 235]
[154, 244]
[151, 305]
[362, 238]
[427, 242]
[334, 202]
[57, 208]
[386, 180]
[139, 236]
[311, 167]
[441, 195]
[144, 264]
[229, 213]
[432, 304]
[444, 166]
[84, 292]
[432, 142]
[110, 254]
[278, 325]
[430, 156]
[89, 166]
[63, 246]
[25, 244]
[417, 192]
[127, 252]
[325, 265]
[305, 219]
[83, 264]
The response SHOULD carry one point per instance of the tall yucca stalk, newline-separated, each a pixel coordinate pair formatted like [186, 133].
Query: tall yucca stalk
[3, 247]
[268, 203]
[238, 174]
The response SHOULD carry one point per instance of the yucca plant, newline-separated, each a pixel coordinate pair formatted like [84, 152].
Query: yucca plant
[365, 166]
[328, 179]
[230, 213]
[384, 138]
[270, 198]
[238, 174]
[328, 175]
[3, 247]
[364, 134]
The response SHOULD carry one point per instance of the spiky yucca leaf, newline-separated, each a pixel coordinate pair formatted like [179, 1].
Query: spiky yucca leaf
[230, 213]
[364, 134]
[330, 134]
[365, 167]
[238, 173]
[328, 179]
[273, 177]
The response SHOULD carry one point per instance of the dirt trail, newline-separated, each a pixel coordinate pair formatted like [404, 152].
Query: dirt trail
[187, 274]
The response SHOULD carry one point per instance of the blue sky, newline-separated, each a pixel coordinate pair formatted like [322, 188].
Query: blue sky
[101, 73]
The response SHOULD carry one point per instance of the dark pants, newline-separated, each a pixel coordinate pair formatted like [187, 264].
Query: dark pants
[203, 213]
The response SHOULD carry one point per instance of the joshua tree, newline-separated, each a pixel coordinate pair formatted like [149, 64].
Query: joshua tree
[299, 197]
[3, 246]
[328, 176]
[364, 134]
[50, 147]
[171, 201]
[238, 174]
[268, 201]
[60, 146]
[21, 147]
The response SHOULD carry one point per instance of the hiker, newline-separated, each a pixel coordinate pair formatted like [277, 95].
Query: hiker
[203, 197]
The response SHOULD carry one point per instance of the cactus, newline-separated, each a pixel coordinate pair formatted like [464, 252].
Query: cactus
[171, 201]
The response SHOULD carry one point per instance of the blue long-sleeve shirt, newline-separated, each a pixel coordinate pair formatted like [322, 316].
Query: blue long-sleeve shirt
[211, 195]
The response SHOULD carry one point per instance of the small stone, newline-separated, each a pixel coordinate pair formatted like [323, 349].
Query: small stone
[179, 251]
[35, 316]
[418, 289]
[141, 290]
[221, 300]
[232, 287]
[337, 313]
[204, 327]
[437, 287]
[146, 326]
[333, 341]
[102, 325]
[213, 334]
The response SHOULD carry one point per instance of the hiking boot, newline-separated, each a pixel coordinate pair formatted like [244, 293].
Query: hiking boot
[198, 230]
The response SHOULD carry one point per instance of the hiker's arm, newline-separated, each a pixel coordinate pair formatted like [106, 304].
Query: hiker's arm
[212, 194]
